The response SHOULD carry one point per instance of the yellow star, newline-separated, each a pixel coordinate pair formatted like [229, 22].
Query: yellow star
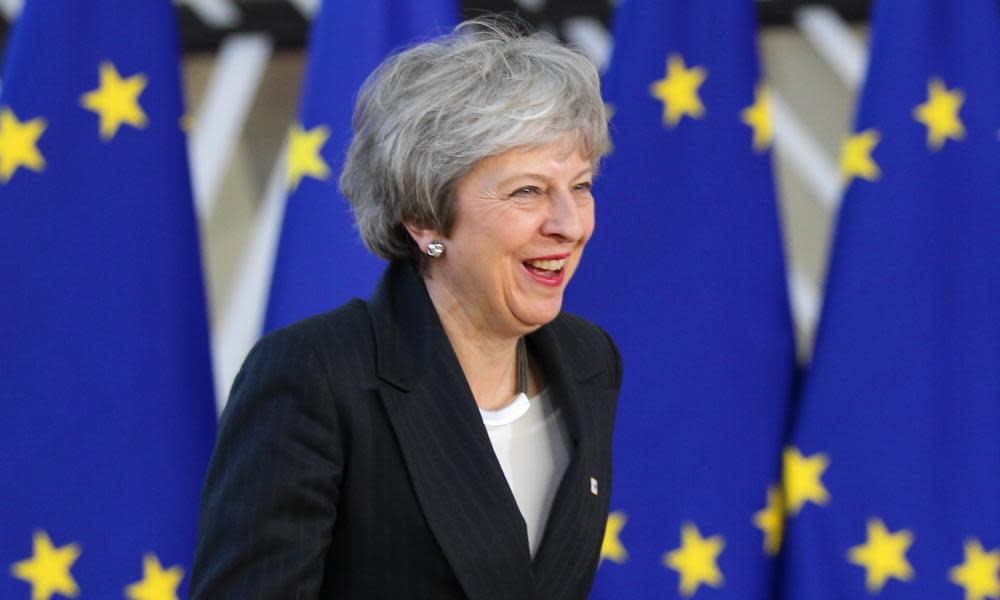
[116, 100]
[695, 560]
[19, 144]
[856, 156]
[979, 574]
[771, 520]
[679, 91]
[156, 584]
[940, 114]
[802, 479]
[611, 547]
[48, 568]
[883, 555]
[304, 154]
[758, 117]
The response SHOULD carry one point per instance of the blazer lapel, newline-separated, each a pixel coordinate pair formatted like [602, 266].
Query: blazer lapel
[572, 539]
[461, 489]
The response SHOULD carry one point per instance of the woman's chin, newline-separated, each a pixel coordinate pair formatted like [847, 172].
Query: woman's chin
[540, 314]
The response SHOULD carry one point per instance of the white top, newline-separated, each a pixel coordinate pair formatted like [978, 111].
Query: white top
[533, 445]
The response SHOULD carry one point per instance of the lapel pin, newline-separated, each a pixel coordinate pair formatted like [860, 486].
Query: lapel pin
[593, 486]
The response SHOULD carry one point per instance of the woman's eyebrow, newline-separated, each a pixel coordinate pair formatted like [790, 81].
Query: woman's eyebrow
[538, 176]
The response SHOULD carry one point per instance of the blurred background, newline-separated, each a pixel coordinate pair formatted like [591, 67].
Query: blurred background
[748, 464]
[244, 62]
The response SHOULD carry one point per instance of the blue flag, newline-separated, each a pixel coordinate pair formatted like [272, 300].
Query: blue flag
[686, 272]
[321, 261]
[106, 409]
[894, 476]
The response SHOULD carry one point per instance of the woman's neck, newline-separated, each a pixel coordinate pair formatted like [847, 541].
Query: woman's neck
[488, 358]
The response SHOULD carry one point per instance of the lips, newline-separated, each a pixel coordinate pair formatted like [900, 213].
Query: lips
[547, 270]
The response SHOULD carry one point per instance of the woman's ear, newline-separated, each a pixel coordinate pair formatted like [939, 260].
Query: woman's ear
[422, 235]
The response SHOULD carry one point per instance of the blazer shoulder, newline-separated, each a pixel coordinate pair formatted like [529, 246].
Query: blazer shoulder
[329, 332]
[347, 324]
[286, 424]
[590, 342]
[339, 341]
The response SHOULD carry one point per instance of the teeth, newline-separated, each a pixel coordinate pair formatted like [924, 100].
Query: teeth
[548, 265]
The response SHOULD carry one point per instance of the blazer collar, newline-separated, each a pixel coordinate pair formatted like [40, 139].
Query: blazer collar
[458, 480]
[571, 542]
[407, 327]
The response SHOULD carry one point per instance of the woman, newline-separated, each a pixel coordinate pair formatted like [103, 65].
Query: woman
[449, 438]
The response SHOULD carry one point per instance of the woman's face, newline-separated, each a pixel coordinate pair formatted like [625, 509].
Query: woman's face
[522, 220]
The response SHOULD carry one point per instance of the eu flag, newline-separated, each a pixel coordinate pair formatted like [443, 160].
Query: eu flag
[321, 262]
[687, 273]
[106, 409]
[894, 477]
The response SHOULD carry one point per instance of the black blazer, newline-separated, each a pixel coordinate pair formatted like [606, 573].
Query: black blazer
[352, 462]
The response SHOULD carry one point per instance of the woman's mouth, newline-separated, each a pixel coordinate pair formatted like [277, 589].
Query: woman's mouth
[547, 271]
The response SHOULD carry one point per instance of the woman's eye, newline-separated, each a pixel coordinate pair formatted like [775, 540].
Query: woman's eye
[583, 186]
[528, 190]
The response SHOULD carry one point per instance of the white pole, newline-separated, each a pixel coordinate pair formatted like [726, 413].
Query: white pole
[241, 318]
[592, 37]
[236, 77]
[796, 145]
[805, 300]
[308, 8]
[11, 9]
[834, 41]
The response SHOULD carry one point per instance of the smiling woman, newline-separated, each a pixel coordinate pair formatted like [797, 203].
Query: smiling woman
[521, 221]
[449, 438]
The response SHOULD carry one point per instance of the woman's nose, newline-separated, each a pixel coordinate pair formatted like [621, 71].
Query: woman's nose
[564, 218]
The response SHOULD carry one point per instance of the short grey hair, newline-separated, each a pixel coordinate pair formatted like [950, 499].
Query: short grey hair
[428, 114]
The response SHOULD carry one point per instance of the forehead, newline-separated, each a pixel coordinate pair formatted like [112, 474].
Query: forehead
[565, 153]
